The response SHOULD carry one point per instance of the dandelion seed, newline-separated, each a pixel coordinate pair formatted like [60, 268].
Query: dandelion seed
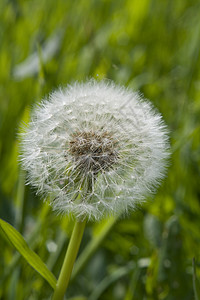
[95, 149]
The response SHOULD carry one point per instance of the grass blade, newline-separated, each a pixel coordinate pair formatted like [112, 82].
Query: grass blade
[31, 257]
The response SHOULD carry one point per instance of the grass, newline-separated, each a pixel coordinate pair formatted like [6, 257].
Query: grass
[148, 45]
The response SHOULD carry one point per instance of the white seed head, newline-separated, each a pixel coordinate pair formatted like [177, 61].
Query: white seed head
[95, 149]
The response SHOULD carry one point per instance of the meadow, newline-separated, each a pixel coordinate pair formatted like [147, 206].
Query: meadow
[150, 46]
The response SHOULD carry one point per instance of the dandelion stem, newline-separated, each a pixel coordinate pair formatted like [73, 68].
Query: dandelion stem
[69, 260]
[91, 247]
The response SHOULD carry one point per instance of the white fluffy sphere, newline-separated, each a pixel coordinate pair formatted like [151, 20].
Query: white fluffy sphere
[95, 149]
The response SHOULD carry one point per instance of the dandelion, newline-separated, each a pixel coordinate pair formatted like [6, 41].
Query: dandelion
[95, 149]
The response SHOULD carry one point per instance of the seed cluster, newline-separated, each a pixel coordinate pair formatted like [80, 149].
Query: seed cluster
[93, 152]
[95, 149]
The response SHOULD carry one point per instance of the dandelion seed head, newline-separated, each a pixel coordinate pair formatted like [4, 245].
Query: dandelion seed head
[95, 149]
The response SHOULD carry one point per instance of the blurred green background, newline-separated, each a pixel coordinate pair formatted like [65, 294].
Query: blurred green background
[149, 45]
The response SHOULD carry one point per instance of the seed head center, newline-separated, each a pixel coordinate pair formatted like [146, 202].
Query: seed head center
[93, 151]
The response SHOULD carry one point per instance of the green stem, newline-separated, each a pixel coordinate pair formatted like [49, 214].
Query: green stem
[69, 260]
[93, 246]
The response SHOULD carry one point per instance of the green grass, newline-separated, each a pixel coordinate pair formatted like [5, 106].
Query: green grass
[152, 46]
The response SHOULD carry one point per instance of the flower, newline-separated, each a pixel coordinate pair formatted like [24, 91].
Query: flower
[95, 149]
